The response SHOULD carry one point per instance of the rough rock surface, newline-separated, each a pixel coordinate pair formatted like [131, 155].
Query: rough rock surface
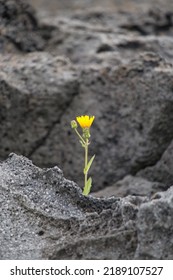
[117, 72]
[131, 185]
[162, 170]
[40, 94]
[106, 37]
[133, 124]
[36, 89]
[57, 6]
[154, 227]
[45, 216]
[112, 59]
[19, 28]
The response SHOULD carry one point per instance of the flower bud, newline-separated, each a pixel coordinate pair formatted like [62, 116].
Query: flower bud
[86, 133]
[73, 124]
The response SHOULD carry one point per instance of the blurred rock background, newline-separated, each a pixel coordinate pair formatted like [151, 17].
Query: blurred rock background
[112, 59]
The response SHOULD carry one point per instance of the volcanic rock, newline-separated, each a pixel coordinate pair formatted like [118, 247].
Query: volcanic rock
[131, 185]
[19, 28]
[36, 89]
[45, 216]
[162, 170]
[132, 103]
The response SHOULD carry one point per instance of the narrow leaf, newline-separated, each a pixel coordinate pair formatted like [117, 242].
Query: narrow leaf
[89, 164]
[87, 188]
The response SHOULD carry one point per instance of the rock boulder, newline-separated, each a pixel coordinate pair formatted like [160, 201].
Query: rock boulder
[45, 216]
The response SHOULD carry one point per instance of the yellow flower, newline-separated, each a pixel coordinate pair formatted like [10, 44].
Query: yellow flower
[85, 121]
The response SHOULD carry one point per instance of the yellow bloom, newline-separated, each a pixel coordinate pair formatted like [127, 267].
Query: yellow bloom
[85, 121]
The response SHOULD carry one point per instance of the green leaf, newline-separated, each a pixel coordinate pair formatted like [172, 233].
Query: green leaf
[86, 169]
[87, 188]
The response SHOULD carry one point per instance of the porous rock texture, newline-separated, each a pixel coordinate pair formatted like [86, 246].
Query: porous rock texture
[36, 89]
[45, 216]
[132, 185]
[19, 28]
[114, 63]
[112, 59]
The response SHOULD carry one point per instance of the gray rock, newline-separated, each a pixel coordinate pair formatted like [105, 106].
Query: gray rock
[131, 185]
[57, 6]
[35, 91]
[162, 171]
[133, 127]
[93, 36]
[130, 94]
[122, 75]
[45, 216]
[154, 21]
[155, 228]
[20, 30]
[143, 127]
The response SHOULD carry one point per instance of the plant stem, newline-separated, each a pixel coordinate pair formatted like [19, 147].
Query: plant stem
[86, 162]
[80, 136]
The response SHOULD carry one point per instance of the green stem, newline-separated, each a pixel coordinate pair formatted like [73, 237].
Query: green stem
[86, 162]
[80, 136]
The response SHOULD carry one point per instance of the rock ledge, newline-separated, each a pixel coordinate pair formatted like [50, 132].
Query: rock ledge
[45, 216]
